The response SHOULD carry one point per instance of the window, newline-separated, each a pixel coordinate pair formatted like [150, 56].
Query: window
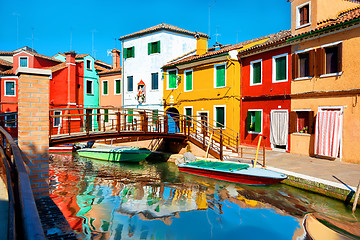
[88, 64]
[89, 86]
[172, 79]
[254, 121]
[57, 120]
[303, 64]
[303, 15]
[117, 86]
[220, 116]
[329, 59]
[188, 80]
[10, 120]
[129, 52]
[130, 83]
[9, 88]
[130, 116]
[106, 116]
[302, 121]
[23, 62]
[154, 81]
[105, 88]
[255, 72]
[153, 47]
[188, 112]
[220, 75]
[280, 68]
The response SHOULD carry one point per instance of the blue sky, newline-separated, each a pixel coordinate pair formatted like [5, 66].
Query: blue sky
[52, 22]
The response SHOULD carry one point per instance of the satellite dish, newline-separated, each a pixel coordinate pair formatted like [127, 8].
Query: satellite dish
[109, 53]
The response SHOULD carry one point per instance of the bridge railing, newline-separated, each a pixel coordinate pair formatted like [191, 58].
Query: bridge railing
[204, 133]
[23, 219]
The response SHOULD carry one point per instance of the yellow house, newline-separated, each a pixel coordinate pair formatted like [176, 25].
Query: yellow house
[205, 84]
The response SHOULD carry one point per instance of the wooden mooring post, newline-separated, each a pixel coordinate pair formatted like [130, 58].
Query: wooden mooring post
[356, 197]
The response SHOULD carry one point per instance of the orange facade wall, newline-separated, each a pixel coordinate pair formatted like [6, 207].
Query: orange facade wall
[111, 99]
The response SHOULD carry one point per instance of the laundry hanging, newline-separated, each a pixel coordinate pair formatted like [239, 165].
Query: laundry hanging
[328, 133]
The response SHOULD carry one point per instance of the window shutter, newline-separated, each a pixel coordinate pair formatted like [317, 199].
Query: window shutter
[158, 46]
[258, 121]
[295, 64]
[306, 14]
[257, 72]
[319, 61]
[133, 52]
[311, 122]
[172, 79]
[105, 87]
[130, 116]
[280, 68]
[311, 63]
[188, 81]
[149, 48]
[106, 116]
[248, 121]
[292, 122]
[340, 57]
[220, 76]
[125, 54]
[220, 117]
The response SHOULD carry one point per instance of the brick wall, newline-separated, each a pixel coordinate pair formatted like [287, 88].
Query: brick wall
[33, 126]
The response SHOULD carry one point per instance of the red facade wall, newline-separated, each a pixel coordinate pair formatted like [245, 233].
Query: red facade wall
[267, 88]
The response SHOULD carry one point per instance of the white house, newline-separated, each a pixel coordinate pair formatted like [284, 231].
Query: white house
[144, 53]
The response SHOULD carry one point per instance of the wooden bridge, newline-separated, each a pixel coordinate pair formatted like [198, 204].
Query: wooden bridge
[85, 124]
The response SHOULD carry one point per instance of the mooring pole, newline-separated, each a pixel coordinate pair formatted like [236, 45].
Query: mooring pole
[356, 197]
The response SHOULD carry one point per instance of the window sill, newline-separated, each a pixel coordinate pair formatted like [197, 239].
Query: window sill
[154, 90]
[302, 78]
[220, 87]
[91, 94]
[255, 84]
[302, 26]
[117, 94]
[9, 95]
[331, 74]
[301, 134]
[280, 81]
[251, 132]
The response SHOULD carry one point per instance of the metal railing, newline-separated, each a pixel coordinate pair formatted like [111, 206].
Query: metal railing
[23, 220]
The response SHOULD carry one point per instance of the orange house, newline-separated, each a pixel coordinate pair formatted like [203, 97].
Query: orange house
[325, 111]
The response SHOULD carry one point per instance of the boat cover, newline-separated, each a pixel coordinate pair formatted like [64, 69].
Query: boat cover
[222, 166]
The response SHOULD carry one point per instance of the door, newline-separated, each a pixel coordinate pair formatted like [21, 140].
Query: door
[279, 128]
[204, 121]
[89, 120]
[328, 132]
[173, 120]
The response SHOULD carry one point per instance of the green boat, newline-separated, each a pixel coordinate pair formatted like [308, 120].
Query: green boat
[121, 154]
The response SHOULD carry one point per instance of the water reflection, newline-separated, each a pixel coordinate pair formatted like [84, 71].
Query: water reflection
[103, 200]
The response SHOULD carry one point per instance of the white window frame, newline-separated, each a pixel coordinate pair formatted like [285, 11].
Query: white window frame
[300, 52]
[192, 80]
[192, 111]
[127, 84]
[298, 15]
[115, 86]
[326, 46]
[102, 88]
[6, 125]
[297, 130]
[92, 87]
[215, 66]
[215, 116]
[274, 68]
[262, 120]
[154, 90]
[27, 61]
[168, 79]
[86, 61]
[60, 122]
[6, 81]
[252, 74]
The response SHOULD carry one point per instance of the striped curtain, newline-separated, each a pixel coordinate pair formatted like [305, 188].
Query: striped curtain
[279, 127]
[328, 133]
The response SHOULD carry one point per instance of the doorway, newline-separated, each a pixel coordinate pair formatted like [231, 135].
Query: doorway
[203, 118]
[89, 126]
[173, 120]
[279, 129]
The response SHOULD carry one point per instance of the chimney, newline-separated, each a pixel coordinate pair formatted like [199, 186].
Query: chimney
[201, 44]
[71, 78]
[116, 58]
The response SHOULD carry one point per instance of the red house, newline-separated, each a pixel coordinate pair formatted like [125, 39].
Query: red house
[265, 89]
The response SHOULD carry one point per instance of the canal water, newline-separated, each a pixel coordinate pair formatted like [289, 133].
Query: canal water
[104, 200]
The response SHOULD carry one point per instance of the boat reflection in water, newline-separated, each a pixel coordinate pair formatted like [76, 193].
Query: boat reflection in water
[104, 200]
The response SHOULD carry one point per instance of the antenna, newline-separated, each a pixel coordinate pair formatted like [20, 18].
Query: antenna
[92, 45]
[17, 28]
[209, 15]
[70, 38]
[217, 34]
[115, 42]
[109, 53]
[32, 38]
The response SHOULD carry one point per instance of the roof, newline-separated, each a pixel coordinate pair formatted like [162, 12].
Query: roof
[160, 27]
[41, 56]
[5, 63]
[110, 71]
[99, 68]
[81, 56]
[343, 17]
[58, 67]
[8, 53]
[103, 64]
[223, 50]
[7, 72]
[276, 38]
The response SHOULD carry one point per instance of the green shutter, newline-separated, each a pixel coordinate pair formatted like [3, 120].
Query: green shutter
[125, 54]
[105, 87]
[257, 72]
[155, 116]
[220, 76]
[220, 117]
[248, 121]
[130, 117]
[188, 79]
[106, 118]
[280, 68]
[158, 46]
[133, 52]
[172, 79]
[258, 121]
[117, 87]
[149, 48]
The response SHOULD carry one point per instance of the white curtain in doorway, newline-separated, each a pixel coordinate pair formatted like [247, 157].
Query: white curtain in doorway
[279, 127]
[328, 133]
